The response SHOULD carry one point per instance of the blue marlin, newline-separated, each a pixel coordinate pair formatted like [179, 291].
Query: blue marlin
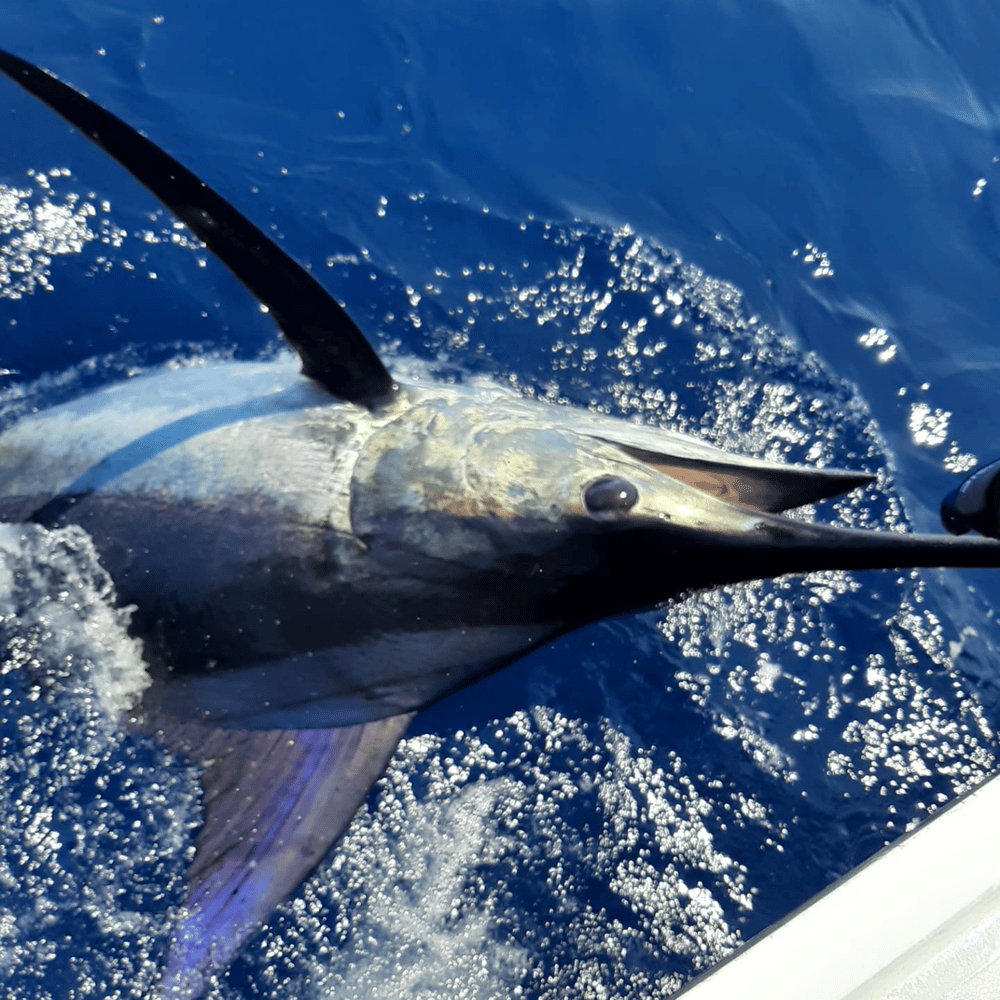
[316, 551]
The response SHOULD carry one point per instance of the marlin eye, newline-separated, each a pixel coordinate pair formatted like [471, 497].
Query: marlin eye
[610, 495]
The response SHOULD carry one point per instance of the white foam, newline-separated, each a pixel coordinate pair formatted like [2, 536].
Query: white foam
[56, 588]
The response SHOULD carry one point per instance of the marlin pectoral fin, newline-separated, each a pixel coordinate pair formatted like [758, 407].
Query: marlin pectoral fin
[333, 350]
[275, 802]
[975, 504]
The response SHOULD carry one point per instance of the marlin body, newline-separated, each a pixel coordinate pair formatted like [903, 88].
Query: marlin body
[316, 551]
[296, 561]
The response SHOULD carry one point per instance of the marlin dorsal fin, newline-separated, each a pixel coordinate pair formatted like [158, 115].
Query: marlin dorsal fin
[333, 350]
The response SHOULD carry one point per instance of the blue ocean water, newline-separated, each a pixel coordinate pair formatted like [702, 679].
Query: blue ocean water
[773, 224]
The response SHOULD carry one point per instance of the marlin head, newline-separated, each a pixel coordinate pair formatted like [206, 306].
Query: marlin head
[558, 517]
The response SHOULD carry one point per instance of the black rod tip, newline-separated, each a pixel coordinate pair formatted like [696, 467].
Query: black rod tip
[974, 505]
